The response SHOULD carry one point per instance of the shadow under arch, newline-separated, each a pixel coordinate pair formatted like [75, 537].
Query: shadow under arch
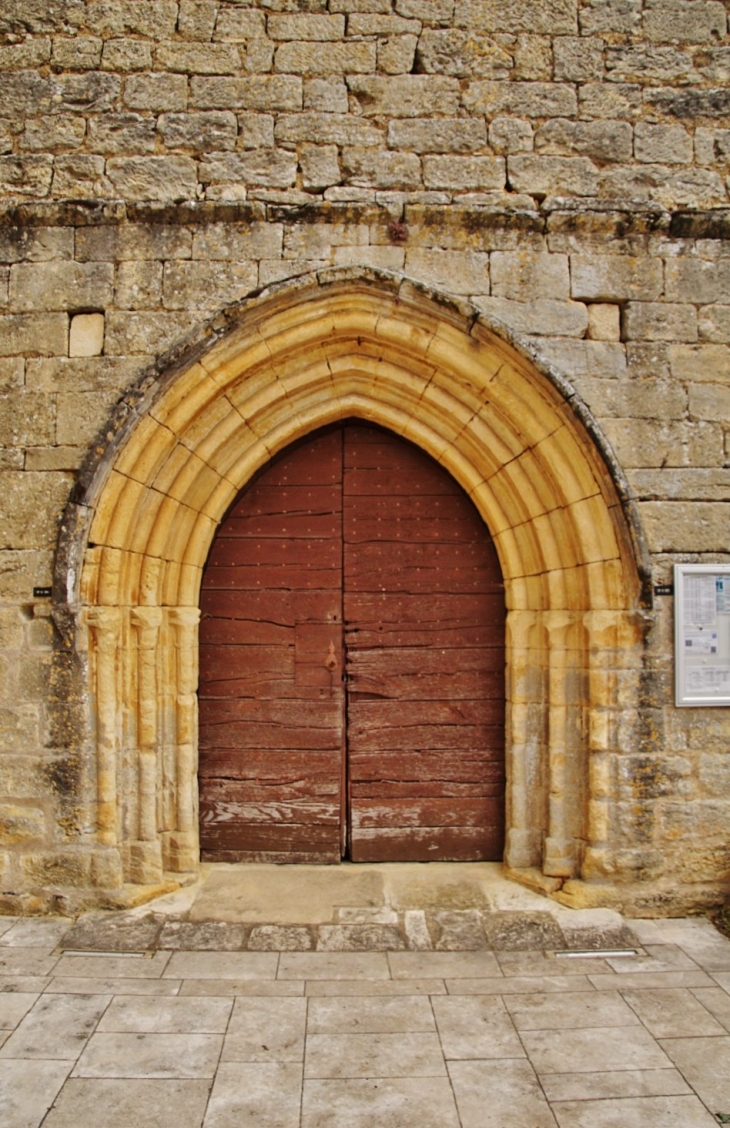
[513, 433]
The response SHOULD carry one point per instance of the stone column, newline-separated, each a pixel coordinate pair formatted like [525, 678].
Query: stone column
[559, 857]
[525, 734]
[106, 624]
[184, 841]
[146, 853]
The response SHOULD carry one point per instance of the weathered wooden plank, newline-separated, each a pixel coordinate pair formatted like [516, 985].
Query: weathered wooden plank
[280, 608]
[226, 805]
[424, 812]
[463, 684]
[289, 768]
[329, 857]
[405, 661]
[430, 788]
[282, 838]
[402, 767]
[266, 552]
[435, 844]
[366, 714]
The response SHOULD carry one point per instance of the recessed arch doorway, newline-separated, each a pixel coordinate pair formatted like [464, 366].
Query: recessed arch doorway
[352, 662]
[511, 432]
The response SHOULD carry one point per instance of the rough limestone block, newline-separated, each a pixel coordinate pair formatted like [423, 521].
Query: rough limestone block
[80, 175]
[141, 333]
[156, 93]
[657, 321]
[328, 95]
[697, 280]
[369, 24]
[610, 100]
[578, 59]
[126, 55]
[403, 96]
[700, 363]
[435, 11]
[317, 28]
[36, 244]
[542, 316]
[198, 58]
[601, 140]
[688, 526]
[320, 166]
[510, 135]
[138, 285]
[380, 169]
[86, 335]
[82, 52]
[121, 134]
[35, 334]
[524, 275]
[459, 272]
[552, 176]
[525, 99]
[238, 242]
[202, 132]
[549, 17]
[642, 63]
[328, 129]
[709, 401]
[667, 21]
[714, 323]
[196, 19]
[53, 134]
[20, 824]
[615, 278]
[259, 56]
[273, 93]
[533, 56]
[23, 522]
[604, 322]
[396, 55]
[60, 285]
[132, 242]
[438, 135]
[268, 168]
[25, 176]
[612, 16]
[23, 425]
[460, 172]
[239, 24]
[462, 54]
[255, 131]
[206, 285]
[658, 443]
[665, 144]
[336, 58]
[153, 178]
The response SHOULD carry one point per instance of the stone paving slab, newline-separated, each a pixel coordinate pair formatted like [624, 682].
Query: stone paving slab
[206, 1038]
[484, 1012]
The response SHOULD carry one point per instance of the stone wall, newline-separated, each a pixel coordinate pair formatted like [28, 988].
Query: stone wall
[561, 165]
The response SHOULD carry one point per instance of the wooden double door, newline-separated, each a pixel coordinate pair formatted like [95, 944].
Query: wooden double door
[352, 663]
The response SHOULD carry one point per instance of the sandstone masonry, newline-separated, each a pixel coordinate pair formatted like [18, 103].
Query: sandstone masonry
[560, 166]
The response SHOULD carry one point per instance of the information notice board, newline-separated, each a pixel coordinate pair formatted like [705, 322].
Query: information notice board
[702, 633]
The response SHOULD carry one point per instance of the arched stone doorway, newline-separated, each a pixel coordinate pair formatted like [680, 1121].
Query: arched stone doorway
[513, 435]
[351, 693]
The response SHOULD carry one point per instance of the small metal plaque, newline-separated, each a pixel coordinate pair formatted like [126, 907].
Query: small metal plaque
[663, 589]
[42, 592]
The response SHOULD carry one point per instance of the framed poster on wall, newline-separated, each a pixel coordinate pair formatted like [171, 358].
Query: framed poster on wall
[702, 634]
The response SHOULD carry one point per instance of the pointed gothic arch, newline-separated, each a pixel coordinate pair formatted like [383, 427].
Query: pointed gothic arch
[511, 432]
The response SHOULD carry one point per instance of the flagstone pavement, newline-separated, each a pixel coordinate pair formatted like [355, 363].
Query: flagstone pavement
[152, 1019]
